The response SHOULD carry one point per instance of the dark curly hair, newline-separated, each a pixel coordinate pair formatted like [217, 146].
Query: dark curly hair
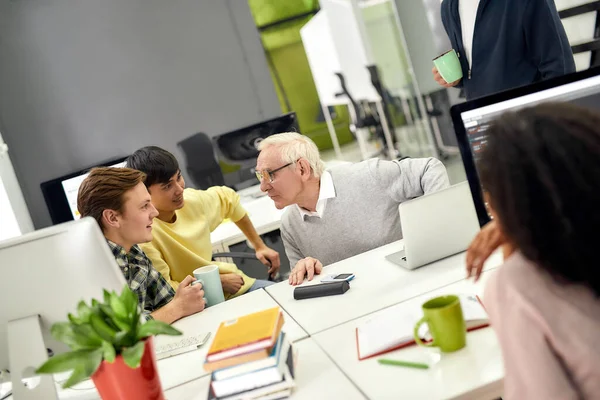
[541, 169]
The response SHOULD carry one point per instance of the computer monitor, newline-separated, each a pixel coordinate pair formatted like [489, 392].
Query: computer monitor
[46, 273]
[61, 193]
[236, 151]
[471, 119]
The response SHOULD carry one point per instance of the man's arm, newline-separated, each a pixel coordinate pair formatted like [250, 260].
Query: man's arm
[410, 178]
[265, 254]
[291, 249]
[446, 14]
[226, 202]
[546, 39]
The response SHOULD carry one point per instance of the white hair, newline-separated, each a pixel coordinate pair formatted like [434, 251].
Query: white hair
[292, 146]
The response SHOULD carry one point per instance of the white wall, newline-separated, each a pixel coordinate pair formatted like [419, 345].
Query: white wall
[85, 81]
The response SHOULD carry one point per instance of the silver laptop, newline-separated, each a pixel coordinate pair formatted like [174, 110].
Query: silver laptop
[436, 226]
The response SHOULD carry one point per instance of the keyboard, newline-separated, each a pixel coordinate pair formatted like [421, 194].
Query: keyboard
[182, 344]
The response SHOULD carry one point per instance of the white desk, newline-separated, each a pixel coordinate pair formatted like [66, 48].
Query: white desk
[177, 370]
[475, 372]
[378, 284]
[317, 377]
[264, 216]
[189, 366]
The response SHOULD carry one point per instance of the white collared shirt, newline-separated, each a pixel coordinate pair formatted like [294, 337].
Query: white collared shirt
[467, 10]
[326, 191]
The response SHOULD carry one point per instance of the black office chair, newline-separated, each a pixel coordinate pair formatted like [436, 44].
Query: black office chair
[243, 256]
[201, 164]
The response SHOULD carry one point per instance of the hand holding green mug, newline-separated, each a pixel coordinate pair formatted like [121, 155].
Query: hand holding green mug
[446, 324]
[447, 70]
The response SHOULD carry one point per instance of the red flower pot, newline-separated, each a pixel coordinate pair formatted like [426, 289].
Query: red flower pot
[117, 381]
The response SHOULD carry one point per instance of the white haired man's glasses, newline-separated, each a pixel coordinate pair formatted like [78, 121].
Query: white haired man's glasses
[269, 175]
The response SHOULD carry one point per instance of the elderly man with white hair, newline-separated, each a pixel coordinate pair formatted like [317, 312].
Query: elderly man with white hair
[341, 212]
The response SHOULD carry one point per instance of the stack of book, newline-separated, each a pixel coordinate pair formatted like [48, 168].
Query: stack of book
[251, 358]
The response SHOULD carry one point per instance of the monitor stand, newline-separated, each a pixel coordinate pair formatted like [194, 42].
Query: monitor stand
[26, 350]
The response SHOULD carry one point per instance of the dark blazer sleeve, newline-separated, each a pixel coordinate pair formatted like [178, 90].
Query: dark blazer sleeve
[546, 39]
[449, 27]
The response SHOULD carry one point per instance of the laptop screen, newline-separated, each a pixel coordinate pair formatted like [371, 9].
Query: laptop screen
[471, 119]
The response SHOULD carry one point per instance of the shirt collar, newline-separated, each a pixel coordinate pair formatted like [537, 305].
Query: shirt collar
[326, 191]
[120, 253]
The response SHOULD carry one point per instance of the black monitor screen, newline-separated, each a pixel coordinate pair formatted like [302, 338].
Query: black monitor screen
[471, 119]
[237, 150]
[61, 193]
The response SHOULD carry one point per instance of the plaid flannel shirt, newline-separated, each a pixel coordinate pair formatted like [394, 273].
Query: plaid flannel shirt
[151, 288]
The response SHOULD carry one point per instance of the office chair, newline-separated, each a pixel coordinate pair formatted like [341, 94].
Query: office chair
[243, 256]
[201, 164]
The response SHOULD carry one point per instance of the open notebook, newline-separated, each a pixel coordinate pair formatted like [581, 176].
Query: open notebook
[392, 329]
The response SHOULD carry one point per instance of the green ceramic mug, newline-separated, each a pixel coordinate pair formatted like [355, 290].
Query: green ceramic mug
[448, 65]
[446, 323]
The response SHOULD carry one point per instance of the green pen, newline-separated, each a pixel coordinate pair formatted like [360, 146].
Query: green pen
[399, 363]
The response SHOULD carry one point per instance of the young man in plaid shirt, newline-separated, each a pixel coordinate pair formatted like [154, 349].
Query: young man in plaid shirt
[119, 201]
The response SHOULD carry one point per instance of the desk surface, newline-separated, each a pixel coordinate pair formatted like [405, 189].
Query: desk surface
[317, 377]
[264, 216]
[189, 366]
[471, 373]
[378, 284]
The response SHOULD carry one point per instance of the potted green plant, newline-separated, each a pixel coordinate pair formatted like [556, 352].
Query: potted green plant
[111, 344]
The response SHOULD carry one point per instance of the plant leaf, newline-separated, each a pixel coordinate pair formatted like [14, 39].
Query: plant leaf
[63, 332]
[102, 329]
[118, 307]
[74, 320]
[108, 351]
[86, 369]
[106, 295]
[118, 322]
[154, 327]
[133, 355]
[83, 312]
[124, 340]
[64, 362]
[129, 299]
[86, 337]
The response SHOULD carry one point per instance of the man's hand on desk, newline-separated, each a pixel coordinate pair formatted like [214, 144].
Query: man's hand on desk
[231, 283]
[488, 240]
[308, 267]
[270, 258]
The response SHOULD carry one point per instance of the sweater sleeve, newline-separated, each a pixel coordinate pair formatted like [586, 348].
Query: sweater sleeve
[409, 178]
[291, 248]
[159, 263]
[545, 38]
[533, 370]
[448, 26]
[220, 203]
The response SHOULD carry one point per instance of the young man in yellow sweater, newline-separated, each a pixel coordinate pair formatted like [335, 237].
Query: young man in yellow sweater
[186, 217]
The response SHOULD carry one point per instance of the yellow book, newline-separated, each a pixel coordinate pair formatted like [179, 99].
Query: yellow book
[250, 333]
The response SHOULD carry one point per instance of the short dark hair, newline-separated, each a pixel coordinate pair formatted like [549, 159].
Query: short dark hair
[158, 164]
[104, 189]
[541, 169]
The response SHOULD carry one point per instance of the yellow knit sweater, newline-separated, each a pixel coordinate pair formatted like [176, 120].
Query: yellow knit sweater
[178, 248]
